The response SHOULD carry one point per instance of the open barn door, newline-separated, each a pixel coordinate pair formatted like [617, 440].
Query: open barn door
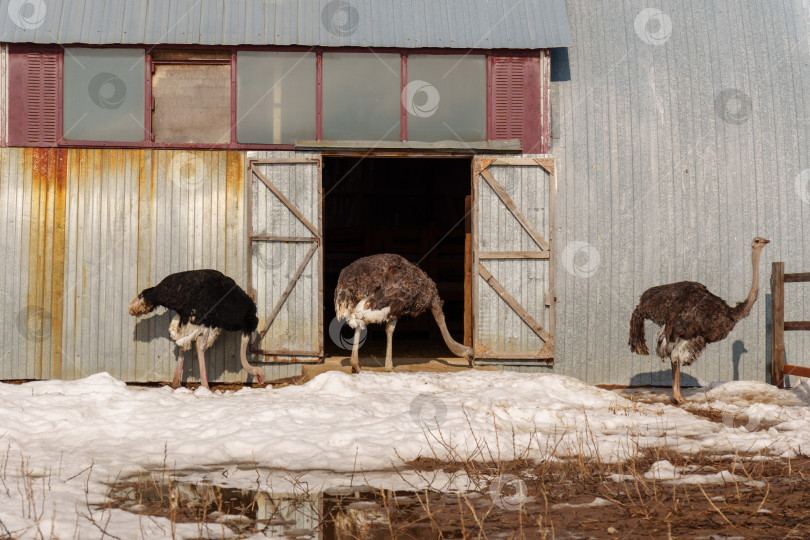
[285, 268]
[513, 264]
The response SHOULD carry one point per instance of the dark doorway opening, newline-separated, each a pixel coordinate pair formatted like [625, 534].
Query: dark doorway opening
[414, 207]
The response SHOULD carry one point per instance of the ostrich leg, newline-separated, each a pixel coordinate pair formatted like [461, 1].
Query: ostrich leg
[389, 332]
[677, 397]
[178, 373]
[356, 352]
[201, 359]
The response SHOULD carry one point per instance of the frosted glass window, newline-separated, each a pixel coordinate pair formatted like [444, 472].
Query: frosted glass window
[275, 101]
[104, 95]
[361, 96]
[446, 97]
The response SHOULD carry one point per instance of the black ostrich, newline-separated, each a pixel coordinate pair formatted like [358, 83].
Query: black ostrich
[690, 317]
[206, 302]
[380, 289]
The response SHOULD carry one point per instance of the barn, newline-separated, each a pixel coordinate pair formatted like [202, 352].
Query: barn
[544, 161]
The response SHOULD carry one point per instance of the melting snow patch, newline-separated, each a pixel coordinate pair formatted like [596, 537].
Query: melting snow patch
[74, 433]
[666, 471]
[596, 503]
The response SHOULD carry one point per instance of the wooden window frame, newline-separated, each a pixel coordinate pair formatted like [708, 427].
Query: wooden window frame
[543, 124]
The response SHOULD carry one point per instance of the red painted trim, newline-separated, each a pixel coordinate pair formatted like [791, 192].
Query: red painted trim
[194, 62]
[317, 49]
[536, 126]
[147, 98]
[403, 112]
[60, 98]
[532, 106]
[490, 114]
[545, 121]
[318, 97]
[233, 97]
[173, 146]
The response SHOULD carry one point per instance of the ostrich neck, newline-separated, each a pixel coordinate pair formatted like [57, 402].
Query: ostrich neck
[742, 309]
[243, 357]
[455, 347]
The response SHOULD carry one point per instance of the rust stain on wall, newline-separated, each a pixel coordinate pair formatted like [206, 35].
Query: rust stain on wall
[234, 193]
[46, 257]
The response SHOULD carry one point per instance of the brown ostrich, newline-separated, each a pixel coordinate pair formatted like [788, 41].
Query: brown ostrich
[383, 289]
[690, 317]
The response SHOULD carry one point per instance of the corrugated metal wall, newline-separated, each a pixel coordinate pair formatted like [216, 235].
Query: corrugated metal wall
[683, 132]
[32, 212]
[91, 228]
[328, 23]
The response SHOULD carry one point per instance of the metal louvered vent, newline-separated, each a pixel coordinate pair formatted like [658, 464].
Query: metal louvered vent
[41, 95]
[33, 96]
[507, 98]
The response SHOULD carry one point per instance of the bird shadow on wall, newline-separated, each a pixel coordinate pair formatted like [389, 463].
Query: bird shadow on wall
[560, 66]
[154, 327]
[737, 350]
[664, 376]
[661, 378]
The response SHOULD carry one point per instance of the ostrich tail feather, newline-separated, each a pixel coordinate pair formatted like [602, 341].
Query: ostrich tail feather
[637, 342]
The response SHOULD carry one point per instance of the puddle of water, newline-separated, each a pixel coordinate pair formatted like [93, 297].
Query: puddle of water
[339, 512]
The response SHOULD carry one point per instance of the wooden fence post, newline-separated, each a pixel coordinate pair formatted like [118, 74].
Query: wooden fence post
[778, 324]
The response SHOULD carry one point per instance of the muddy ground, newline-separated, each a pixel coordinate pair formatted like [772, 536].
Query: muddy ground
[577, 499]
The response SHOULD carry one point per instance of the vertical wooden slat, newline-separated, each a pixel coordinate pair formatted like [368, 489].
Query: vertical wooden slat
[319, 96]
[474, 239]
[777, 324]
[552, 300]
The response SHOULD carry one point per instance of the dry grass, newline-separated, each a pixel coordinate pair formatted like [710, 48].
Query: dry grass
[503, 496]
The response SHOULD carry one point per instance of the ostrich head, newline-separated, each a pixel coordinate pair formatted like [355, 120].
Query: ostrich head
[468, 355]
[759, 242]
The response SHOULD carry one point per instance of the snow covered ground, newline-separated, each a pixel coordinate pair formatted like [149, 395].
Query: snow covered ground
[61, 442]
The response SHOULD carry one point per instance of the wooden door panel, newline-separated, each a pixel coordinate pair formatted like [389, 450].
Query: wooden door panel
[285, 271]
[513, 267]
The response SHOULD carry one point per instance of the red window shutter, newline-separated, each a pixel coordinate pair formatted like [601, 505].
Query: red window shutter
[33, 96]
[518, 94]
[507, 98]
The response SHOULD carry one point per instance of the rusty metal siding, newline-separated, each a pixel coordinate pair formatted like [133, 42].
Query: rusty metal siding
[86, 230]
[383, 23]
[195, 220]
[32, 188]
[297, 325]
[663, 177]
[19, 344]
[101, 260]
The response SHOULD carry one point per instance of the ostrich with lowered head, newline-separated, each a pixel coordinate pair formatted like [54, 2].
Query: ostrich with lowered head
[690, 317]
[383, 289]
[206, 302]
